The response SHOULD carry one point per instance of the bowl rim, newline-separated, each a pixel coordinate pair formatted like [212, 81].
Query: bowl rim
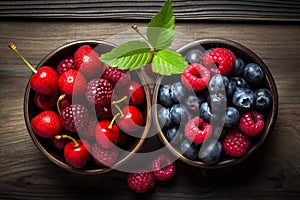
[268, 128]
[63, 164]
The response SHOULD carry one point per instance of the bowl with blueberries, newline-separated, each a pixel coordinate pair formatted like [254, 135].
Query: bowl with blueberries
[221, 109]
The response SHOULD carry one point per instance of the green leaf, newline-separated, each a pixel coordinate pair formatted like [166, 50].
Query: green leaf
[167, 62]
[128, 56]
[161, 28]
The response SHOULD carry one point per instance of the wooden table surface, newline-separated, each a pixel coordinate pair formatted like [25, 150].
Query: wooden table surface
[272, 173]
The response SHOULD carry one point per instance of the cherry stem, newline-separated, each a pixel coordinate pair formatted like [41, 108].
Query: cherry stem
[136, 28]
[113, 120]
[13, 47]
[76, 144]
[120, 100]
[117, 102]
[60, 98]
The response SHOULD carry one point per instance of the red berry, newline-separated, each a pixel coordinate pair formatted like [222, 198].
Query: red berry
[221, 58]
[87, 62]
[104, 157]
[141, 181]
[106, 136]
[115, 75]
[65, 102]
[64, 65]
[132, 120]
[251, 123]
[72, 82]
[136, 93]
[99, 92]
[59, 144]
[235, 143]
[45, 102]
[46, 124]
[88, 132]
[103, 112]
[163, 167]
[195, 77]
[122, 140]
[197, 130]
[75, 117]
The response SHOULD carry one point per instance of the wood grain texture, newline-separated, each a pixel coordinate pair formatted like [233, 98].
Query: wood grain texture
[142, 9]
[272, 173]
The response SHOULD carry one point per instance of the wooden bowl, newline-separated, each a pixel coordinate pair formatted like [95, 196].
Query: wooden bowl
[248, 56]
[30, 110]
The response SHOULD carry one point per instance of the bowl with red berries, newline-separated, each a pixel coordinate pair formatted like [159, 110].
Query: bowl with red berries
[222, 107]
[85, 116]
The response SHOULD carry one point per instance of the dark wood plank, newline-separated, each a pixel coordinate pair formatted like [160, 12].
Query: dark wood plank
[141, 9]
[273, 173]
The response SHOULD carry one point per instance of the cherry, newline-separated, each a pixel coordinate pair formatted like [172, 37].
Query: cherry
[72, 82]
[45, 80]
[63, 101]
[46, 124]
[76, 152]
[87, 61]
[107, 133]
[136, 93]
[59, 144]
[44, 102]
[132, 119]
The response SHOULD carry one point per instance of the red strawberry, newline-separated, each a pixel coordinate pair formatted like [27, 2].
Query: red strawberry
[251, 123]
[195, 77]
[197, 130]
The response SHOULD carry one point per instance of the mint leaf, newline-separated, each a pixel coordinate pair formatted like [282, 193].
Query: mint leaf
[167, 62]
[128, 56]
[161, 28]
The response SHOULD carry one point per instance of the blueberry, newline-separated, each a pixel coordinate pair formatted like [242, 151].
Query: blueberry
[194, 56]
[230, 88]
[238, 67]
[218, 84]
[174, 135]
[262, 98]
[240, 82]
[253, 74]
[164, 117]
[205, 111]
[192, 102]
[243, 99]
[178, 91]
[217, 102]
[164, 95]
[179, 114]
[232, 117]
[189, 150]
[210, 151]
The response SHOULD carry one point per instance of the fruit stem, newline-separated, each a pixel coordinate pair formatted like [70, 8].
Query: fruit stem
[113, 120]
[60, 98]
[120, 111]
[136, 28]
[76, 144]
[13, 47]
[120, 100]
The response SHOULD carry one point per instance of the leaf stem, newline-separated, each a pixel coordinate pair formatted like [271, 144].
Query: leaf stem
[136, 28]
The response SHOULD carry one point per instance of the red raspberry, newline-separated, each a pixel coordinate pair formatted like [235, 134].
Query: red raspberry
[197, 130]
[104, 157]
[103, 112]
[195, 77]
[235, 143]
[163, 167]
[99, 92]
[116, 75]
[74, 117]
[141, 181]
[251, 123]
[223, 58]
[88, 132]
[65, 65]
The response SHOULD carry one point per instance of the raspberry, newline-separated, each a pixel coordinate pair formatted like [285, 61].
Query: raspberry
[223, 58]
[114, 75]
[197, 130]
[88, 132]
[251, 123]
[235, 143]
[195, 77]
[65, 65]
[163, 168]
[103, 112]
[74, 117]
[104, 157]
[141, 181]
[99, 92]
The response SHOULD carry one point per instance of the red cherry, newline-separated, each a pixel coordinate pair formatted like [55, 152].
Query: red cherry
[45, 102]
[63, 101]
[87, 61]
[107, 134]
[46, 124]
[132, 119]
[136, 93]
[59, 144]
[72, 82]
[123, 138]
[76, 152]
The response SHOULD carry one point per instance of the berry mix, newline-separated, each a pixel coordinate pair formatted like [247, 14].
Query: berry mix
[84, 116]
[217, 87]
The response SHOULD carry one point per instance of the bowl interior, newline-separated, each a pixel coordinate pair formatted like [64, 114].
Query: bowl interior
[248, 56]
[56, 156]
